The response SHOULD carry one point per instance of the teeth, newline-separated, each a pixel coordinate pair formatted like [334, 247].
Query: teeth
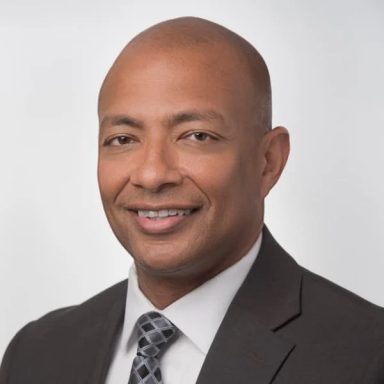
[182, 213]
[164, 213]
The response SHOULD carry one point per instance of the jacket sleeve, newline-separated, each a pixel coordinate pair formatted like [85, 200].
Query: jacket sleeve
[10, 357]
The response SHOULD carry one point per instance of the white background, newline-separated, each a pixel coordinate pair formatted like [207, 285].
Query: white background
[326, 60]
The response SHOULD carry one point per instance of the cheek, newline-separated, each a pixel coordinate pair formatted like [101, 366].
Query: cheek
[112, 177]
[226, 180]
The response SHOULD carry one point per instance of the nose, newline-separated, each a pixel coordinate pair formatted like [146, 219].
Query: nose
[156, 167]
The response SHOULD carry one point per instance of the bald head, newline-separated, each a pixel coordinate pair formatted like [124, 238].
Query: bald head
[220, 48]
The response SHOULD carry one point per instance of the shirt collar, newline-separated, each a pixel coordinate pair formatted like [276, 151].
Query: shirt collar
[198, 314]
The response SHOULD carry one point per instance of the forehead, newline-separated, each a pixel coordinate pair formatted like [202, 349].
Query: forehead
[160, 81]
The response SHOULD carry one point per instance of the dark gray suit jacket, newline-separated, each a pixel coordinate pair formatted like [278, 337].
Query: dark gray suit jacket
[285, 325]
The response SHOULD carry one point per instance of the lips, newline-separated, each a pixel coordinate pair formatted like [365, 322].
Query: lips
[161, 221]
[163, 213]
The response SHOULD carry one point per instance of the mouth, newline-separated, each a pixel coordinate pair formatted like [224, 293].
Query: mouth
[164, 220]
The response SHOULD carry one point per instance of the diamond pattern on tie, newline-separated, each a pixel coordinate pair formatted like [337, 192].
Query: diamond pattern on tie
[154, 332]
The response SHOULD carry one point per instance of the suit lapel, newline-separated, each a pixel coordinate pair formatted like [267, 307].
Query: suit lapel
[246, 347]
[244, 352]
[98, 341]
[83, 348]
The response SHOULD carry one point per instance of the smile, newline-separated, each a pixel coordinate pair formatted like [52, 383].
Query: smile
[163, 220]
[162, 214]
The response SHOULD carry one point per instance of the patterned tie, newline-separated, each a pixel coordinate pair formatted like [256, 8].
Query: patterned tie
[154, 332]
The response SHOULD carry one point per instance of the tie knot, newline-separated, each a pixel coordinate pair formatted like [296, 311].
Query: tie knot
[154, 331]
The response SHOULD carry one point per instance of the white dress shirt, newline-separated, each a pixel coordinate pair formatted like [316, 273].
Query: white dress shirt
[197, 315]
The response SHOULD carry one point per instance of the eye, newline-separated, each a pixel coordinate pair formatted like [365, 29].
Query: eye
[118, 141]
[200, 136]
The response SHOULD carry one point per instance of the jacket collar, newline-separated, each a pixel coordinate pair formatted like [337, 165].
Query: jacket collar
[271, 292]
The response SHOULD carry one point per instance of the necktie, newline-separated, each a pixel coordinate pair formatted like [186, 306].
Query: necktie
[154, 332]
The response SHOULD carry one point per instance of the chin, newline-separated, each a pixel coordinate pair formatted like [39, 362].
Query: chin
[161, 267]
[163, 263]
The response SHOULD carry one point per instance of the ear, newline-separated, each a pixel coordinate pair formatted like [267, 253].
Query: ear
[275, 148]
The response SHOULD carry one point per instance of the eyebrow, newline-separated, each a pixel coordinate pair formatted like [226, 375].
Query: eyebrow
[170, 121]
[121, 120]
[194, 115]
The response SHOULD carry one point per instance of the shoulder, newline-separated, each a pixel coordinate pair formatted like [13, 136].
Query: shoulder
[338, 334]
[90, 309]
[342, 324]
[329, 299]
[62, 328]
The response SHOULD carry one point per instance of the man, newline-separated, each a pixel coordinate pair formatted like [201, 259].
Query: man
[186, 158]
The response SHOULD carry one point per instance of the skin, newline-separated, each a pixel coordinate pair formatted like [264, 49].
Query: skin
[185, 121]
